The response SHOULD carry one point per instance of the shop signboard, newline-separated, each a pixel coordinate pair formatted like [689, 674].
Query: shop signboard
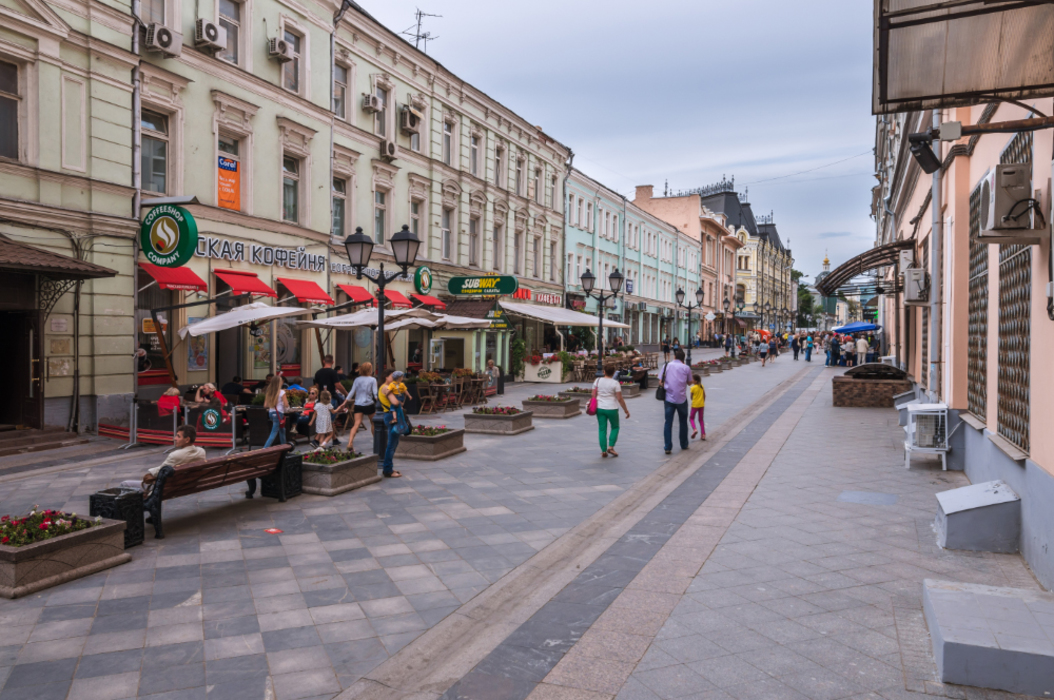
[423, 280]
[168, 236]
[270, 256]
[229, 185]
[490, 285]
[629, 286]
[549, 298]
[149, 327]
[497, 318]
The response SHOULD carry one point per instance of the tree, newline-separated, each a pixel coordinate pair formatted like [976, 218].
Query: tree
[806, 306]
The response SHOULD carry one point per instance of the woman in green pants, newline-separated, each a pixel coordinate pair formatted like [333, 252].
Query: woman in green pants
[608, 393]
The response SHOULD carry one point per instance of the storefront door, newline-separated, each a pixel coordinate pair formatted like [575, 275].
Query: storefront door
[21, 371]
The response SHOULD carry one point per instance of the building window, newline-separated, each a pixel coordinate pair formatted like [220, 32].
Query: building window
[415, 218]
[552, 192]
[153, 12]
[340, 200]
[291, 69]
[499, 237]
[448, 143]
[446, 235]
[473, 155]
[340, 91]
[570, 272]
[231, 20]
[536, 263]
[552, 261]
[499, 167]
[290, 189]
[415, 143]
[154, 157]
[380, 117]
[380, 215]
[578, 213]
[538, 185]
[473, 242]
[589, 216]
[229, 194]
[517, 252]
[519, 176]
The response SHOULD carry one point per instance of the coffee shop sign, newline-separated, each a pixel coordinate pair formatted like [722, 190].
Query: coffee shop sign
[237, 251]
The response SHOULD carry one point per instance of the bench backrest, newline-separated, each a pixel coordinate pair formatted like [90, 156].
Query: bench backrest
[223, 471]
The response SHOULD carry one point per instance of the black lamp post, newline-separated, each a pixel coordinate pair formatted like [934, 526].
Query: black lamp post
[359, 247]
[767, 320]
[588, 280]
[738, 306]
[690, 306]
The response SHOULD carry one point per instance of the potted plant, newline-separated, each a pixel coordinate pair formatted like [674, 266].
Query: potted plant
[579, 393]
[431, 443]
[49, 547]
[547, 406]
[498, 420]
[630, 389]
[332, 471]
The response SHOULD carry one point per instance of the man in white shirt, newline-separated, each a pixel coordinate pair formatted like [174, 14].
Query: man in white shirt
[861, 350]
[185, 453]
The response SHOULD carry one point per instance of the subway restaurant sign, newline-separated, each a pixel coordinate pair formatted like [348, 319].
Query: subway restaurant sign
[168, 236]
[482, 286]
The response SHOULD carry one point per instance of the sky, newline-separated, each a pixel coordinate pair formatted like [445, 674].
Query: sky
[684, 92]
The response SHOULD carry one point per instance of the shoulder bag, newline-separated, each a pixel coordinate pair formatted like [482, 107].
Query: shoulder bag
[591, 410]
[660, 391]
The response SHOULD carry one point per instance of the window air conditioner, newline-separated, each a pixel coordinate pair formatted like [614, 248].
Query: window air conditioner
[279, 49]
[916, 286]
[410, 120]
[210, 35]
[1008, 205]
[371, 103]
[907, 259]
[163, 40]
[389, 151]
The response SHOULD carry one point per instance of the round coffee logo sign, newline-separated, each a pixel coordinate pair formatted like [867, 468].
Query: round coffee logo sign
[211, 419]
[423, 280]
[168, 236]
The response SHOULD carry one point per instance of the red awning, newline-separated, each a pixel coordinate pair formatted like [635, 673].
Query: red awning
[306, 291]
[360, 295]
[243, 282]
[427, 300]
[397, 299]
[182, 278]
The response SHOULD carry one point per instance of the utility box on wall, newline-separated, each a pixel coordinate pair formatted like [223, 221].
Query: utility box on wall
[983, 517]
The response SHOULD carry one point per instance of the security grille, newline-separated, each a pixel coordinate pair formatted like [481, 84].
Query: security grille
[1015, 327]
[977, 350]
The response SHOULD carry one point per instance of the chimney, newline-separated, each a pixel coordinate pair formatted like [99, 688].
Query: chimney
[644, 192]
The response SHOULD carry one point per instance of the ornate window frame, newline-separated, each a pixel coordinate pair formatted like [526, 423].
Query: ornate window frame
[234, 116]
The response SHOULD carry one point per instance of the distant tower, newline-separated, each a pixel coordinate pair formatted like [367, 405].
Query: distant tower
[826, 262]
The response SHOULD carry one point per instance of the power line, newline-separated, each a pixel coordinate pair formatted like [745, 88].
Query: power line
[818, 167]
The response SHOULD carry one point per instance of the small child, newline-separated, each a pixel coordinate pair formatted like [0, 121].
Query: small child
[698, 396]
[322, 420]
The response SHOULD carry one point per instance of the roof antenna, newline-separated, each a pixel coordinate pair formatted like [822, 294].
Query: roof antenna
[666, 189]
[417, 35]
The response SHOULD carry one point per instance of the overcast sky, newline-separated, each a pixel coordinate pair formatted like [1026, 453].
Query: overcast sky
[686, 91]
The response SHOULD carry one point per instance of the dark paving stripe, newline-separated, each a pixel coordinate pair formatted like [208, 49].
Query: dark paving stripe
[516, 666]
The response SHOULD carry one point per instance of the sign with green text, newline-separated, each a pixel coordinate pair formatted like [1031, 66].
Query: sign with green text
[168, 236]
[483, 286]
[497, 319]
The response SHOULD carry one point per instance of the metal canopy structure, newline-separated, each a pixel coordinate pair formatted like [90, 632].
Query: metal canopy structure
[931, 54]
[882, 256]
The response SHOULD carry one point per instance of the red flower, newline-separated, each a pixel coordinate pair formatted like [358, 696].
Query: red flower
[4, 541]
[5, 518]
[44, 525]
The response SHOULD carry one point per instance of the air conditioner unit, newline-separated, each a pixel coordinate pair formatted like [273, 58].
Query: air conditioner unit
[1008, 205]
[371, 103]
[410, 120]
[926, 431]
[907, 258]
[916, 286]
[162, 39]
[210, 35]
[642, 306]
[279, 49]
[389, 151]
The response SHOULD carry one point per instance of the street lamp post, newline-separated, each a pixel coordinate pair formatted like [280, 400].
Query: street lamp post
[699, 302]
[359, 248]
[767, 319]
[726, 304]
[588, 281]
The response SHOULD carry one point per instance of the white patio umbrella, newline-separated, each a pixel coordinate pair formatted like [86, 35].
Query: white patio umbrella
[257, 312]
[366, 318]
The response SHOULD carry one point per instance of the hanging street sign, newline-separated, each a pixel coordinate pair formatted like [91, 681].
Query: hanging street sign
[423, 280]
[483, 286]
[710, 316]
[168, 236]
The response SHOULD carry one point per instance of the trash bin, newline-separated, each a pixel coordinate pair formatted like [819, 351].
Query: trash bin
[121, 504]
[293, 471]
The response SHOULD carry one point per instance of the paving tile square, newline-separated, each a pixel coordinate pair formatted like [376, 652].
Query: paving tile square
[590, 673]
[161, 680]
[113, 687]
[674, 681]
[305, 684]
[238, 645]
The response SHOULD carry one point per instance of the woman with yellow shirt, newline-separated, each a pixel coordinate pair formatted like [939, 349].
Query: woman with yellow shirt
[698, 397]
[391, 394]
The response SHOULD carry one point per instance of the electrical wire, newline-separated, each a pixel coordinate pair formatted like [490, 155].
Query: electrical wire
[869, 151]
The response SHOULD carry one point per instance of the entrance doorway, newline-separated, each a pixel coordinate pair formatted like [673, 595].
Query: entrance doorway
[21, 372]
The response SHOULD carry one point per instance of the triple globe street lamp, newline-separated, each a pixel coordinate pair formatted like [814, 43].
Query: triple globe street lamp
[588, 281]
[699, 302]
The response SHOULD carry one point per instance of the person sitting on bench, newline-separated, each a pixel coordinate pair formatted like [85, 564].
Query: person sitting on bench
[185, 453]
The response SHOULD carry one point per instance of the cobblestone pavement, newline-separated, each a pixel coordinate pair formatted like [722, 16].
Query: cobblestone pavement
[220, 608]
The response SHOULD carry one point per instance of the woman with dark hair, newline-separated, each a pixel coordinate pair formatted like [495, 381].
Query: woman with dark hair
[274, 402]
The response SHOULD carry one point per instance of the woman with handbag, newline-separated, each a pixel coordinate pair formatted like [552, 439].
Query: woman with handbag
[605, 402]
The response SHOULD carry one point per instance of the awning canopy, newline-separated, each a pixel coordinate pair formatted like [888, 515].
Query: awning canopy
[366, 318]
[357, 294]
[397, 299]
[941, 53]
[881, 256]
[558, 316]
[306, 291]
[245, 282]
[180, 278]
[454, 323]
[20, 257]
[857, 327]
[257, 312]
[428, 300]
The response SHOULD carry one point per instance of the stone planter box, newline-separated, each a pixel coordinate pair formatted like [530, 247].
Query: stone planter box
[630, 391]
[569, 408]
[498, 424]
[575, 395]
[432, 448]
[546, 372]
[331, 479]
[26, 570]
[701, 371]
[653, 381]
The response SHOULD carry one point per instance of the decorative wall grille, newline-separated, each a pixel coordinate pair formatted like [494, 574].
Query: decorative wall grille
[1015, 327]
[924, 360]
[977, 333]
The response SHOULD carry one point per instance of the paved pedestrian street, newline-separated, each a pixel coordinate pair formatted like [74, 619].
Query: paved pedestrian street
[782, 558]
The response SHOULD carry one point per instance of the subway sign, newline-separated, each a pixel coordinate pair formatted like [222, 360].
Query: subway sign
[483, 286]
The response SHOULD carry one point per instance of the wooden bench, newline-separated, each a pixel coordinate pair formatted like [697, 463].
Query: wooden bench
[187, 479]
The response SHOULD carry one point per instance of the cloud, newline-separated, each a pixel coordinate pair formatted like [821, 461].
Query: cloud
[839, 234]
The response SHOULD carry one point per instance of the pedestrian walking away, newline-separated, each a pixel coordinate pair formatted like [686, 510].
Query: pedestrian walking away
[608, 394]
[795, 347]
[698, 398]
[274, 402]
[861, 350]
[809, 343]
[363, 397]
[763, 352]
[666, 349]
[676, 378]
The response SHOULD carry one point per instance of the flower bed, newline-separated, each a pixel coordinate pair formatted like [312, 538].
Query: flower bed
[47, 547]
[431, 443]
[499, 420]
[329, 472]
[553, 406]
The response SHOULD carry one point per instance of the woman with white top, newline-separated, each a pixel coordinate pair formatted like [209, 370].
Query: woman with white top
[608, 393]
[363, 396]
[274, 402]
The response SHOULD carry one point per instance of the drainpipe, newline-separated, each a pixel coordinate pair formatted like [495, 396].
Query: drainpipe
[568, 167]
[935, 277]
[332, 141]
[137, 199]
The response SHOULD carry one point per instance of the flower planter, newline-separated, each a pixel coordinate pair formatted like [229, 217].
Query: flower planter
[331, 479]
[568, 408]
[630, 391]
[431, 448]
[653, 381]
[581, 398]
[546, 373]
[498, 424]
[34, 567]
